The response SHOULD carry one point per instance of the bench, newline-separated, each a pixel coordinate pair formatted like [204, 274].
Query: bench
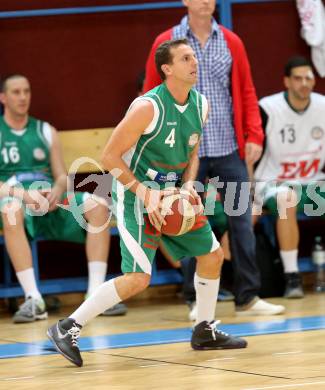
[305, 263]
[75, 144]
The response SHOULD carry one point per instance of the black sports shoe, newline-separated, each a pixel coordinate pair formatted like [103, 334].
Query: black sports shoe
[293, 285]
[64, 335]
[206, 336]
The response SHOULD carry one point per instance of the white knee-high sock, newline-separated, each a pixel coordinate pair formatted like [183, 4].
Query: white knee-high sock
[104, 297]
[206, 298]
[96, 274]
[290, 260]
[27, 281]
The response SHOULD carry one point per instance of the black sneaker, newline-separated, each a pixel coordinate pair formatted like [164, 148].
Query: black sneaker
[206, 336]
[64, 335]
[293, 285]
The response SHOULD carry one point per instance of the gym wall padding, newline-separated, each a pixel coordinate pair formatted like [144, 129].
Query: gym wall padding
[271, 32]
[83, 67]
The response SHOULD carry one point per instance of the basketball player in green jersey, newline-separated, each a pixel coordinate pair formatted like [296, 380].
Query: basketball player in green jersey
[30, 153]
[156, 144]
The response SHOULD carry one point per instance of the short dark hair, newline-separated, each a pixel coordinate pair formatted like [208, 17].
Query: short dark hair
[295, 62]
[4, 80]
[140, 81]
[163, 55]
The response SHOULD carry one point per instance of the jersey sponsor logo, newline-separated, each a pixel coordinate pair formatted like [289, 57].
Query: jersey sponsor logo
[193, 140]
[299, 169]
[171, 123]
[39, 154]
[160, 177]
[317, 132]
[172, 176]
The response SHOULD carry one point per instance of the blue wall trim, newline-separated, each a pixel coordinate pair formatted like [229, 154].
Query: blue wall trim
[224, 9]
[89, 10]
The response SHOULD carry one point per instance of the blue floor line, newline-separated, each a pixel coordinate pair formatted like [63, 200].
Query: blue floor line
[165, 336]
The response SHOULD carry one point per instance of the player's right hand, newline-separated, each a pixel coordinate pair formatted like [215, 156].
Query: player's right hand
[36, 201]
[153, 204]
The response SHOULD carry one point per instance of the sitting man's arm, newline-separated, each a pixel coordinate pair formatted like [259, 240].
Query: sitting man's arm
[33, 199]
[58, 171]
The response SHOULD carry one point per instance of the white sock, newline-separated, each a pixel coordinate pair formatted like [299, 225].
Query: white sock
[103, 298]
[206, 298]
[290, 260]
[27, 281]
[96, 274]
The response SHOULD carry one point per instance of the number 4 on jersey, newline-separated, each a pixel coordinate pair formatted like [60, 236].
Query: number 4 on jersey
[170, 140]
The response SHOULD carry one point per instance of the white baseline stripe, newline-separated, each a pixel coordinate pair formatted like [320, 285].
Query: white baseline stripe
[286, 353]
[285, 386]
[18, 378]
[155, 365]
[226, 358]
[87, 372]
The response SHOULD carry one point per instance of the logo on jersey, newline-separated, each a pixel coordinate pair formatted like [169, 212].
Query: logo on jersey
[317, 132]
[39, 154]
[193, 140]
[171, 176]
[299, 169]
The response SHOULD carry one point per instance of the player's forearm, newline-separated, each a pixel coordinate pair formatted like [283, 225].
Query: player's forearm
[191, 170]
[61, 183]
[117, 167]
[7, 190]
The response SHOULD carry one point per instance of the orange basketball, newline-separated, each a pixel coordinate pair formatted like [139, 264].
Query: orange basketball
[182, 204]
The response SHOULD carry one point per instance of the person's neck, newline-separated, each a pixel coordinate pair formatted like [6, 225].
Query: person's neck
[16, 122]
[201, 27]
[179, 92]
[298, 105]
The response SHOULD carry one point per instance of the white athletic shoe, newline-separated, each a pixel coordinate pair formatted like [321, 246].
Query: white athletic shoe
[31, 310]
[260, 308]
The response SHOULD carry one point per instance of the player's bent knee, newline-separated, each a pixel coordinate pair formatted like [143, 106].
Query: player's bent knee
[96, 208]
[220, 255]
[140, 281]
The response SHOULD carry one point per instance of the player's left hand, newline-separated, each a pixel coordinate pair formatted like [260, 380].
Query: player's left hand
[53, 196]
[191, 189]
[252, 153]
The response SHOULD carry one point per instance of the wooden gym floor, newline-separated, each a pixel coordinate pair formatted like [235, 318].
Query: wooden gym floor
[149, 349]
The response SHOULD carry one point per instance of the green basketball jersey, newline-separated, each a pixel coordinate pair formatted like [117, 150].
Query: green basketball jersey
[24, 155]
[163, 151]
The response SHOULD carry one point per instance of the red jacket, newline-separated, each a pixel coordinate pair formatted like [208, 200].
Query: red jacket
[247, 119]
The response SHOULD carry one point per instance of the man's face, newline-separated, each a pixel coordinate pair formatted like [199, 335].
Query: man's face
[17, 96]
[301, 82]
[184, 66]
[200, 7]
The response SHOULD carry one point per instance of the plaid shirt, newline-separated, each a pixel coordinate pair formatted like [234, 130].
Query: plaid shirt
[214, 82]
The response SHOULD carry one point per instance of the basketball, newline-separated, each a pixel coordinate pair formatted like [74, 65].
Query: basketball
[182, 204]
